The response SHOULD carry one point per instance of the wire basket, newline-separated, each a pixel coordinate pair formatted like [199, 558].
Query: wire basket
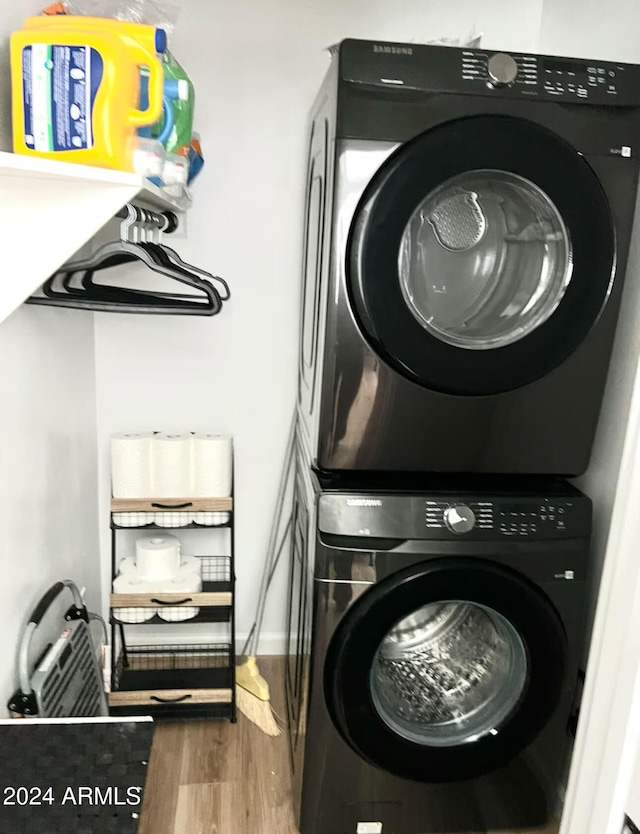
[176, 656]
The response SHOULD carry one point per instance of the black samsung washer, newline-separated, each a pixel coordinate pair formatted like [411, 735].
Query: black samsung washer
[435, 642]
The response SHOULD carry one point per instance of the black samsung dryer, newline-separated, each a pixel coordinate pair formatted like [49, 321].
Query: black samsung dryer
[467, 227]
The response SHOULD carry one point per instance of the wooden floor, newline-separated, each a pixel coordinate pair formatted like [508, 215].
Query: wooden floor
[212, 777]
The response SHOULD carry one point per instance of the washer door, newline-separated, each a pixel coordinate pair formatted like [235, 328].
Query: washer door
[446, 670]
[481, 255]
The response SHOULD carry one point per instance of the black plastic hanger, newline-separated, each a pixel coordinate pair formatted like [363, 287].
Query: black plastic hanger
[93, 296]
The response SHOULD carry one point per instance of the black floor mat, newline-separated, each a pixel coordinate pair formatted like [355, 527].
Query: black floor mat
[81, 777]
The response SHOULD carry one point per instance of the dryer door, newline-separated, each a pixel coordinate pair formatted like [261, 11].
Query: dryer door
[446, 670]
[481, 255]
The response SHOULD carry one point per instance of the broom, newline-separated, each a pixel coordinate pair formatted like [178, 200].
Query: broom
[252, 690]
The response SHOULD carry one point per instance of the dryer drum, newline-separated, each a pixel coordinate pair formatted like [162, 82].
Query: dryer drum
[492, 263]
[449, 673]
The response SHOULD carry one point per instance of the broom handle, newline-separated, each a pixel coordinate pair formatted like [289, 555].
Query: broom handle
[283, 541]
[273, 551]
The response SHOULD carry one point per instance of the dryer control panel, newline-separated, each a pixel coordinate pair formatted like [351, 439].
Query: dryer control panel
[546, 77]
[444, 69]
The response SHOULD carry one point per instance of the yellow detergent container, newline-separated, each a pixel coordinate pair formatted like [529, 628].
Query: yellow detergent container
[76, 88]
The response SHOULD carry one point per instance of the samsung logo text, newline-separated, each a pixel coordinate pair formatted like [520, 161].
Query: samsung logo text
[364, 502]
[392, 50]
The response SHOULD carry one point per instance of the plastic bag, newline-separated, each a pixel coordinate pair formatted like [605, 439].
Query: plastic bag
[135, 11]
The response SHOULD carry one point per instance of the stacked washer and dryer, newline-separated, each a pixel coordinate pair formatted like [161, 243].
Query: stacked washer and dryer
[468, 218]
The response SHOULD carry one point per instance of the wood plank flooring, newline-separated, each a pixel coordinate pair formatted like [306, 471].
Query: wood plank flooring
[212, 777]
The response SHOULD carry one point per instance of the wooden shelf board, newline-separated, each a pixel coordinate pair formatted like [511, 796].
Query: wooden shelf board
[214, 599]
[170, 697]
[171, 505]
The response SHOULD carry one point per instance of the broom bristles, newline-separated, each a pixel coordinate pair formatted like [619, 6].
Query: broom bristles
[257, 711]
[248, 676]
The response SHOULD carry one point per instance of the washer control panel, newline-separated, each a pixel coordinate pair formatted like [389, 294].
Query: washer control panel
[543, 76]
[459, 516]
[522, 518]
[519, 519]
[559, 513]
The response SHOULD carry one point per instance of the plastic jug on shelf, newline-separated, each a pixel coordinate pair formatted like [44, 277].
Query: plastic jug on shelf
[76, 88]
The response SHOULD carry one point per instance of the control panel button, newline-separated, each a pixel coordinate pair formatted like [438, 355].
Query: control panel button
[459, 518]
[502, 69]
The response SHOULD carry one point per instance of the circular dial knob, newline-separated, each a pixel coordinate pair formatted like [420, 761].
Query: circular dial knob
[502, 70]
[459, 518]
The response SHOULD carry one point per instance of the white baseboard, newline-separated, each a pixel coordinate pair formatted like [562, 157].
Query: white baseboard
[271, 642]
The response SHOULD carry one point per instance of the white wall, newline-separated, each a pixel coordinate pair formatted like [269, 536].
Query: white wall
[48, 503]
[591, 29]
[256, 67]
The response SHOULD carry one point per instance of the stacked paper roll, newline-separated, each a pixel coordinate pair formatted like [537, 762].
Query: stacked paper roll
[133, 519]
[131, 464]
[211, 519]
[183, 583]
[172, 465]
[170, 519]
[127, 565]
[212, 465]
[157, 557]
[191, 564]
[130, 583]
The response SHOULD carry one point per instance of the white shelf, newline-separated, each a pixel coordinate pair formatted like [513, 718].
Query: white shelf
[35, 168]
[50, 209]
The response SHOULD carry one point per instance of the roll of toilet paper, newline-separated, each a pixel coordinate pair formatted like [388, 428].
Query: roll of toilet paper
[130, 583]
[131, 465]
[157, 557]
[212, 464]
[176, 519]
[171, 464]
[183, 583]
[191, 564]
[127, 565]
[133, 519]
[211, 519]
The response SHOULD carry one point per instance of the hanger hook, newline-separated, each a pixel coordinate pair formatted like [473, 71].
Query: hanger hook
[126, 226]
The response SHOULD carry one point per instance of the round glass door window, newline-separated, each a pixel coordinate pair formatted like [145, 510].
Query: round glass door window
[449, 674]
[484, 259]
